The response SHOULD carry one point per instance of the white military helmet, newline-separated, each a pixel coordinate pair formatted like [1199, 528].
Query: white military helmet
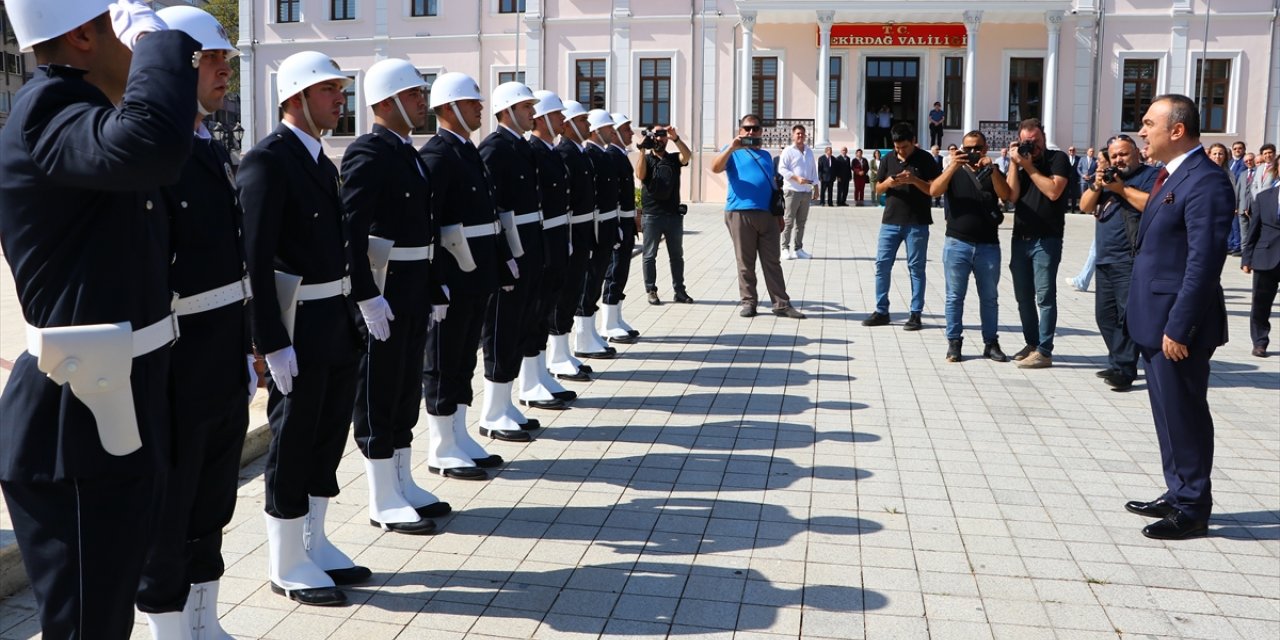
[453, 87]
[573, 109]
[36, 21]
[201, 26]
[386, 78]
[598, 119]
[509, 94]
[620, 119]
[306, 69]
[548, 103]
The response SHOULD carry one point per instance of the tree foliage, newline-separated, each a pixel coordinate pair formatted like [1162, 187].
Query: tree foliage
[228, 14]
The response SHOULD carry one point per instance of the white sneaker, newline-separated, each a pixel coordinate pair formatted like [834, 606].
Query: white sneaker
[791, 255]
[1071, 282]
[802, 254]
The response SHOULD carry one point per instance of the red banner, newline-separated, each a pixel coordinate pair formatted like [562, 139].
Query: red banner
[898, 35]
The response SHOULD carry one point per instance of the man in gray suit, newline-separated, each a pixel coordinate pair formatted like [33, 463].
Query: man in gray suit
[1244, 194]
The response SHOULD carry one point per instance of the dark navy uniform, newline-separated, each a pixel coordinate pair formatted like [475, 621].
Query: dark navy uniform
[208, 382]
[582, 205]
[86, 239]
[606, 189]
[513, 174]
[553, 179]
[615, 277]
[387, 194]
[463, 197]
[294, 224]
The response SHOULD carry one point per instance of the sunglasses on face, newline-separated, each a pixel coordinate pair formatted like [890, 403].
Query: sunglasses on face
[752, 127]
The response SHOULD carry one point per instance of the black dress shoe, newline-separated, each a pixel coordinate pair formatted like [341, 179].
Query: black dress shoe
[565, 396]
[585, 368]
[683, 298]
[913, 323]
[422, 527]
[747, 311]
[654, 299]
[317, 597]
[994, 353]
[460, 473]
[633, 333]
[434, 510]
[876, 319]
[627, 339]
[531, 425]
[580, 376]
[1259, 352]
[554, 404]
[1158, 508]
[1105, 373]
[1119, 382]
[1026, 351]
[506, 435]
[489, 462]
[350, 575]
[1176, 526]
[607, 354]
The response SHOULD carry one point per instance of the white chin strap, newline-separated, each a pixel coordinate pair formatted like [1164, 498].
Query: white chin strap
[311, 124]
[575, 130]
[200, 107]
[514, 123]
[458, 114]
[403, 114]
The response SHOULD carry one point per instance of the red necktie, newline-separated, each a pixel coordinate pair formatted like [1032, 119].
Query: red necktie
[1160, 178]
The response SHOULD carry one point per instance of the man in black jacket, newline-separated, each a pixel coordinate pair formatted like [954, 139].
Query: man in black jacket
[295, 236]
[1261, 257]
[843, 173]
[582, 205]
[613, 326]
[826, 177]
[587, 342]
[85, 236]
[659, 173]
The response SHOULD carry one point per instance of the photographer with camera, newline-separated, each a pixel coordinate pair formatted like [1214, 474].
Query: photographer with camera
[974, 186]
[1116, 197]
[661, 213]
[1038, 186]
[753, 220]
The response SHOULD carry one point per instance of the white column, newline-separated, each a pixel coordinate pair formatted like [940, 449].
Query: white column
[822, 136]
[381, 31]
[1178, 56]
[1049, 112]
[744, 78]
[1082, 115]
[710, 89]
[1272, 124]
[248, 78]
[620, 95]
[972, 20]
[533, 45]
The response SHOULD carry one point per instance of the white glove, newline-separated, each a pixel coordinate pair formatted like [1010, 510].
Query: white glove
[130, 19]
[571, 248]
[377, 317]
[283, 365]
[438, 312]
[515, 269]
[253, 377]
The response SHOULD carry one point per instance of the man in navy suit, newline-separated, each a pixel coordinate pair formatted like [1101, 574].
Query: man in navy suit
[1176, 311]
[1261, 257]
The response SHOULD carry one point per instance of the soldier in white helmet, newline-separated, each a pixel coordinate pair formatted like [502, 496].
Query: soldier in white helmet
[538, 388]
[300, 264]
[613, 327]
[179, 590]
[387, 195]
[587, 342]
[475, 262]
[84, 417]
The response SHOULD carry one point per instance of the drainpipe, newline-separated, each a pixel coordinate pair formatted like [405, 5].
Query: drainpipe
[1099, 30]
[695, 79]
[1269, 113]
[248, 47]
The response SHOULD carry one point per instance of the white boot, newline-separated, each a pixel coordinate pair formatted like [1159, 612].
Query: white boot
[319, 549]
[612, 326]
[443, 451]
[586, 340]
[545, 379]
[531, 384]
[465, 442]
[202, 603]
[560, 360]
[415, 495]
[169, 626]
[386, 503]
[622, 322]
[289, 566]
[498, 412]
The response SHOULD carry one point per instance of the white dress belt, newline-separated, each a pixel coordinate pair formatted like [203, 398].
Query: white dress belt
[608, 215]
[528, 218]
[412, 254]
[324, 289]
[230, 293]
[145, 340]
[482, 230]
[560, 220]
[582, 217]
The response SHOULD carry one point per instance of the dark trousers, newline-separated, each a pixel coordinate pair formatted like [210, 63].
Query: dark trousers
[1265, 284]
[308, 432]
[507, 314]
[656, 228]
[859, 189]
[555, 261]
[1179, 393]
[824, 192]
[561, 316]
[1109, 309]
[83, 545]
[1233, 237]
[842, 192]
[450, 358]
[593, 279]
[389, 386]
[199, 499]
[619, 271]
[935, 135]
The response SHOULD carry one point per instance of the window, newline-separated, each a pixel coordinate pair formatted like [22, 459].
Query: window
[347, 121]
[655, 91]
[1026, 77]
[422, 8]
[1136, 91]
[1213, 87]
[510, 6]
[342, 9]
[835, 90]
[591, 83]
[764, 89]
[288, 10]
[510, 76]
[4, 102]
[430, 127]
[953, 92]
[13, 63]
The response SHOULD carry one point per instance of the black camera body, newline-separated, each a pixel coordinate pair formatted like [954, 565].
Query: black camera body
[973, 157]
[1110, 174]
[646, 140]
[755, 142]
[1027, 149]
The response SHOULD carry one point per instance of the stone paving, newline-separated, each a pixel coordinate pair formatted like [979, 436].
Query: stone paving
[768, 478]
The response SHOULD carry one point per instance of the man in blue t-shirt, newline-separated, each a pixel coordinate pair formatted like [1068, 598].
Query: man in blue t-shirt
[752, 225]
[1117, 204]
[936, 118]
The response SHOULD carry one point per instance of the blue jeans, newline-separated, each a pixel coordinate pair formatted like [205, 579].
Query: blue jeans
[1233, 237]
[891, 237]
[1082, 279]
[959, 259]
[1034, 265]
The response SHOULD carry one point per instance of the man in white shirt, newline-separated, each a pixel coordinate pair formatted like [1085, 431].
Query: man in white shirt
[799, 171]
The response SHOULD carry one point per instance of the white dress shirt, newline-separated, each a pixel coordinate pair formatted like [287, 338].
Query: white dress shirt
[800, 164]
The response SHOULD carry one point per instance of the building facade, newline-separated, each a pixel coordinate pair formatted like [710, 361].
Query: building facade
[15, 66]
[1087, 68]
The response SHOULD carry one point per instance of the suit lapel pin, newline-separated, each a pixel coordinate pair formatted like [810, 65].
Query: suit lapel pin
[1168, 199]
